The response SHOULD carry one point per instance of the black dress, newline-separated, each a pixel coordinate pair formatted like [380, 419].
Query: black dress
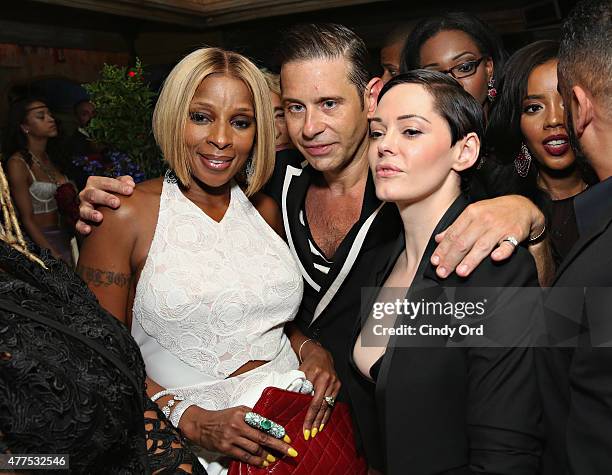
[72, 380]
[563, 228]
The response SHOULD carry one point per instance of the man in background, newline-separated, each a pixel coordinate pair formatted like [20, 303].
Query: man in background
[391, 51]
[576, 382]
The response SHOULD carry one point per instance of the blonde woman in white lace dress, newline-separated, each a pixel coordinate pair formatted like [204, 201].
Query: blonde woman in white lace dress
[194, 264]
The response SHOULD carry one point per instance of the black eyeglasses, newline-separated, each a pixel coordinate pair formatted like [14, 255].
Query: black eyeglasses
[464, 70]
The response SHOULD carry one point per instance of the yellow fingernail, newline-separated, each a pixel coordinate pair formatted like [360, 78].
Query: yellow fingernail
[292, 452]
[287, 439]
[265, 463]
[271, 458]
[307, 434]
[314, 432]
[321, 427]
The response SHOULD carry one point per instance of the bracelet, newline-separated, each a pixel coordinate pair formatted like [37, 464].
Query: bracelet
[179, 410]
[163, 393]
[167, 409]
[540, 234]
[302, 345]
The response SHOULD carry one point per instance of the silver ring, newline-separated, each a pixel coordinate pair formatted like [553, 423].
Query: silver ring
[330, 400]
[266, 425]
[512, 240]
[307, 387]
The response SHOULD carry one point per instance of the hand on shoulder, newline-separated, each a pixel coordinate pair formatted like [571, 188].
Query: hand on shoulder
[141, 204]
[101, 191]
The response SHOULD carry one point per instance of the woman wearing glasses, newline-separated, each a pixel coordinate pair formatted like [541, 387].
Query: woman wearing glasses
[460, 45]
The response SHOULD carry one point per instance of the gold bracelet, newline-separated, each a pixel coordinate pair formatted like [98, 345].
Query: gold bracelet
[302, 345]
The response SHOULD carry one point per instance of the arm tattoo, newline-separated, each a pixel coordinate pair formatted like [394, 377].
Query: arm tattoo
[103, 278]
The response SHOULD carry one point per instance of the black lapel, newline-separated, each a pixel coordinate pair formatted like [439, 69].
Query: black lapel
[350, 248]
[295, 185]
[602, 221]
[428, 282]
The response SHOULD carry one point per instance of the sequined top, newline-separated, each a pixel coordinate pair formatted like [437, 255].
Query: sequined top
[72, 380]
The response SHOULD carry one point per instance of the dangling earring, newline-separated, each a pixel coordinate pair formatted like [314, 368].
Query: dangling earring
[491, 91]
[249, 169]
[522, 161]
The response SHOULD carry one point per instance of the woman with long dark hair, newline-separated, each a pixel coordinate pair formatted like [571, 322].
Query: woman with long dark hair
[529, 148]
[35, 175]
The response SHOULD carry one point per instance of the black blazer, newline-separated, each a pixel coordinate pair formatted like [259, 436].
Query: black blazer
[330, 313]
[576, 381]
[455, 410]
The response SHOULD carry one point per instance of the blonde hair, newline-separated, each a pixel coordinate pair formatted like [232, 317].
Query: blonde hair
[172, 111]
[273, 81]
[10, 231]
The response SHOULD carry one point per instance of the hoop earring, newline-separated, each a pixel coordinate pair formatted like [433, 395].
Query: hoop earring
[522, 161]
[491, 91]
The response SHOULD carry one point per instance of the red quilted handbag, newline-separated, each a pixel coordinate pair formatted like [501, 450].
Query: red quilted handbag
[331, 452]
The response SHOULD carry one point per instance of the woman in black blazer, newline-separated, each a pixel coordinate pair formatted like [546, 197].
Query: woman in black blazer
[436, 409]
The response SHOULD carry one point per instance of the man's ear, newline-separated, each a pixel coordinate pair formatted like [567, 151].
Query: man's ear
[583, 109]
[371, 94]
[469, 148]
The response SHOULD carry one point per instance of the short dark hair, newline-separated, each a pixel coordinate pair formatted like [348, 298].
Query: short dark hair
[461, 111]
[585, 54]
[327, 41]
[486, 39]
[75, 107]
[397, 34]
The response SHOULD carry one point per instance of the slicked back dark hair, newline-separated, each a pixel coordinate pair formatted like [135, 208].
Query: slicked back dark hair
[585, 54]
[486, 39]
[457, 107]
[327, 41]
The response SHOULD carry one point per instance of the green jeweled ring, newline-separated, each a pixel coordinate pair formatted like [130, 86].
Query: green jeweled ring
[259, 422]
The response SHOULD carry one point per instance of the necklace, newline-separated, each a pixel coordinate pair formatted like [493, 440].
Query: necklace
[582, 188]
[540, 183]
[48, 170]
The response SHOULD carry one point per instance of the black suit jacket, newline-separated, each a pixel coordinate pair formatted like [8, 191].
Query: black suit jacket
[329, 313]
[455, 410]
[576, 381]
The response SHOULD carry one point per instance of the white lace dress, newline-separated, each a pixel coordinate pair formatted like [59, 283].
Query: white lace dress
[212, 296]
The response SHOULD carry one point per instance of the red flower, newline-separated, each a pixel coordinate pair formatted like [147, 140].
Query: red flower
[68, 203]
[131, 74]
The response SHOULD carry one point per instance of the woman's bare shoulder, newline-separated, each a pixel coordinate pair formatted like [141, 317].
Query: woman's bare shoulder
[269, 210]
[142, 203]
[17, 160]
